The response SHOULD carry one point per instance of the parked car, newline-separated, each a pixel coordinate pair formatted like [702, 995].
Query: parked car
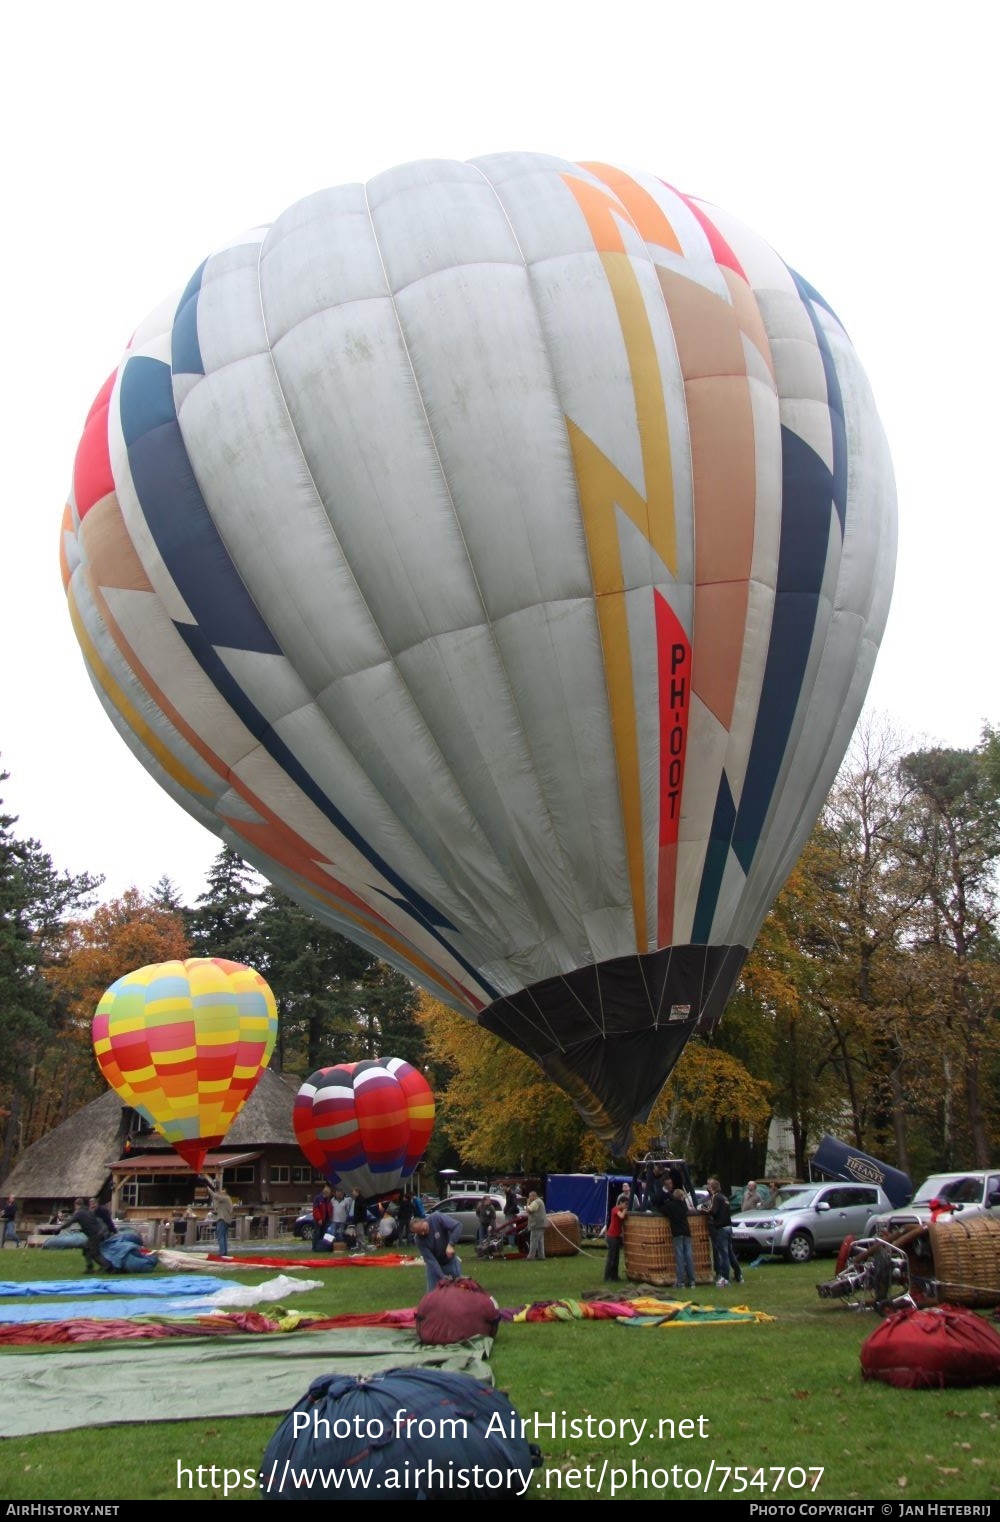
[972, 1193]
[806, 1219]
[463, 1208]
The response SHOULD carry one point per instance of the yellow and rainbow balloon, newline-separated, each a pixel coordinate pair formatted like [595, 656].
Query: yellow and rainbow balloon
[185, 1043]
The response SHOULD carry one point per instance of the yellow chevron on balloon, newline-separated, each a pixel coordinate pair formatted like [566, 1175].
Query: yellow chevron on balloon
[126, 710]
[605, 491]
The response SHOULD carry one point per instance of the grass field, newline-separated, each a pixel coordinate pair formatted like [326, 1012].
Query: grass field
[770, 1403]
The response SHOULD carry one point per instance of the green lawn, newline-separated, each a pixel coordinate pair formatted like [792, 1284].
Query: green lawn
[778, 1401]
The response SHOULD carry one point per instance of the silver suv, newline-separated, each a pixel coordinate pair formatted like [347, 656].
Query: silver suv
[971, 1193]
[806, 1219]
[462, 1207]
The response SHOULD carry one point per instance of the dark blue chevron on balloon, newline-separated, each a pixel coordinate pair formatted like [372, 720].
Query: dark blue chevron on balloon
[811, 299]
[807, 494]
[178, 516]
[807, 505]
[720, 834]
[185, 350]
[212, 588]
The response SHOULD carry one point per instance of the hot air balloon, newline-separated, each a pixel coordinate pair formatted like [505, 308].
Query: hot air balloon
[365, 1125]
[495, 555]
[185, 1043]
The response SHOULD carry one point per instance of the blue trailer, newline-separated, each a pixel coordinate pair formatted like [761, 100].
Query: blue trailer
[588, 1195]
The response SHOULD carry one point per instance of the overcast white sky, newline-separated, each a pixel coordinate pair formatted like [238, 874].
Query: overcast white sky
[858, 139]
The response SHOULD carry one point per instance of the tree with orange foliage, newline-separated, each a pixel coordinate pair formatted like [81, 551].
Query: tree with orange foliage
[502, 1113]
[119, 936]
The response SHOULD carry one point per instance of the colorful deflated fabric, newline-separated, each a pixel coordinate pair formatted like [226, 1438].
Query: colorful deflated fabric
[638, 1312]
[677, 1313]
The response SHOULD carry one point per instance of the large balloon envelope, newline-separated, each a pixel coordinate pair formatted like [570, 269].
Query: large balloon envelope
[185, 1043]
[365, 1125]
[495, 554]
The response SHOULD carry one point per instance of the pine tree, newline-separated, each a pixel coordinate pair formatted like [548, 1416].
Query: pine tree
[34, 900]
[221, 924]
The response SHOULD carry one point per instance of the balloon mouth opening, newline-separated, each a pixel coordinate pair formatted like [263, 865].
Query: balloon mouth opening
[613, 1064]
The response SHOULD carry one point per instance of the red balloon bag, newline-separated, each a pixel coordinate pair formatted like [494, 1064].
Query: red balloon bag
[929, 1348]
[456, 1309]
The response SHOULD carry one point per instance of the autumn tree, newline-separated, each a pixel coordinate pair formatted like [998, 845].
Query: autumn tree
[775, 1021]
[865, 892]
[497, 1107]
[119, 936]
[954, 831]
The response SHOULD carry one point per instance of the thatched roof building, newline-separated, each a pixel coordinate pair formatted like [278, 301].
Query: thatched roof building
[75, 1158]
[106, 1141]
[264, 1121]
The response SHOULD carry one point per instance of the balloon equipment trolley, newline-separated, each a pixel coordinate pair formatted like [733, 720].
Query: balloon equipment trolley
[951, 1261]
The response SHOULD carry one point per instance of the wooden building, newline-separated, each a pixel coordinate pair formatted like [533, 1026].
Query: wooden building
[109, 1151]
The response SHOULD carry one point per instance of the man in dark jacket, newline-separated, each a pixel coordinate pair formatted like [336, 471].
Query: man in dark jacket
[437, 1238]
[720, 1231]
[104, 1214]
[675, 1208]
[657, 1190]
[94, 1232]
[8, 1222]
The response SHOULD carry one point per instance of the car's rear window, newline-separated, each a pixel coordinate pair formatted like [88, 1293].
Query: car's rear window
[949, 1186]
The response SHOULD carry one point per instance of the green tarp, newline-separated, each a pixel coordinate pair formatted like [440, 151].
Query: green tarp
[100, 1385]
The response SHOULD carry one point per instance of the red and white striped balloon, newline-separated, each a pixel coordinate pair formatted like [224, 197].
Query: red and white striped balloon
[365, 1125]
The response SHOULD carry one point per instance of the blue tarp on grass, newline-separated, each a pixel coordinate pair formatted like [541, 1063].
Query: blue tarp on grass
[167, 1284]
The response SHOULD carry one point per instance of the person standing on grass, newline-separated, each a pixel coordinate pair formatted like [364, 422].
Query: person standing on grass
[486, 1214]
[322, 1209]
[675, 1208]
[720, 1229]
[338, 1215]
[616, 1226]
[94, 1233]
[222, 1205]
[537, 1222]
[8, 1216]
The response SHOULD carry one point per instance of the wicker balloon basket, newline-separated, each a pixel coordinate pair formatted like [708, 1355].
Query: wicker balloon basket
[966, 1257]
[649, 1249]
[562, 1234]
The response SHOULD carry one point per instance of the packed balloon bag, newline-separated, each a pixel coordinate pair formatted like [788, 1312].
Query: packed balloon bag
[455, 1310]
[406, 1434]
[931, 1348]
[128, 1257]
